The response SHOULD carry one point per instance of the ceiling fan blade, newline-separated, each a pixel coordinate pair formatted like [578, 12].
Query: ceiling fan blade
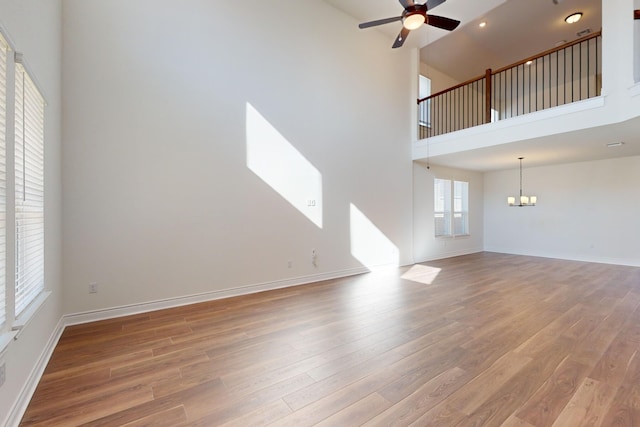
[380, 22]
[401, 38]
[407, 3]
[433, 3]
[442, 22]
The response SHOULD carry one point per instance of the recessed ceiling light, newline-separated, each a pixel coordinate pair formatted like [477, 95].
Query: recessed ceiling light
[482, 24]
[573, 18]
[615, 144]
[529, 62]
[560, 43]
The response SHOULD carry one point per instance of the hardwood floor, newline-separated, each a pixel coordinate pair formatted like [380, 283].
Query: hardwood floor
[480, 340]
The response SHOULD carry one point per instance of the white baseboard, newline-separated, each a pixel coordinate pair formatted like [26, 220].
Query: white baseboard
[448, 254]
[20, 406]
[127, 310]
[568, 257]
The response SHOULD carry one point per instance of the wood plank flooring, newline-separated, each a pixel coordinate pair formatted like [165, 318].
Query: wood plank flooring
[479, 340]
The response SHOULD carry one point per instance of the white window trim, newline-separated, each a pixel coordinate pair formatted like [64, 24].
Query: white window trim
[451, 235]
[13, 326]
[28, 313]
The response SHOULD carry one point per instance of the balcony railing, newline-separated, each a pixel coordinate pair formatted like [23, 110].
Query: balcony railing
[569, 73]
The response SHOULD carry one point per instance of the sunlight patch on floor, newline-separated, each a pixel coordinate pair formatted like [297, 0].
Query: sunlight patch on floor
[422, 274]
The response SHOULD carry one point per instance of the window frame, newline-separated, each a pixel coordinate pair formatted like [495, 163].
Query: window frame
[15, 320]
[5, 50]
[29, 189]
[448, 194]
[424, 108]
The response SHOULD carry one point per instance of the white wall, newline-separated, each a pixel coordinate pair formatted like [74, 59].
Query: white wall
[159, 201]
[34, 26]
[425, 245]
[586, 211]
[439, 80]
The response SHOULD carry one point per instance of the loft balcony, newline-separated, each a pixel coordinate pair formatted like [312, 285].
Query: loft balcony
[561, 105]
[560, 76]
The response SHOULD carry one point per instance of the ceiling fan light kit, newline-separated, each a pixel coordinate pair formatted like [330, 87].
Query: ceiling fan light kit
[413, 20]
[413, 16]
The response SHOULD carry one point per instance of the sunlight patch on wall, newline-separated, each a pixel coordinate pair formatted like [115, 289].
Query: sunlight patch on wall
[282, 167]
[368, 244]
[422, 274]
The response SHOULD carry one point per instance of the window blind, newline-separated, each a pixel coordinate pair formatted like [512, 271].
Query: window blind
[442, 207]
[4, 48]
[460, 208]
[29, 187]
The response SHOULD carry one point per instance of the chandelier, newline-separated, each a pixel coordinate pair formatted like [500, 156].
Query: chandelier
[524, 200]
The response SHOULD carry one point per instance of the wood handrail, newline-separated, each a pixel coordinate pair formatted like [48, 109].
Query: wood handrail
[451, 88]
[516, 64]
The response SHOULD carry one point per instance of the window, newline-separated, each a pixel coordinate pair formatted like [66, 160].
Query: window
[451, 207]
[495, 116]
[460, 208]
[424, 108]
[22, 107]
[442, 207]
[4, 49]
[29, 197]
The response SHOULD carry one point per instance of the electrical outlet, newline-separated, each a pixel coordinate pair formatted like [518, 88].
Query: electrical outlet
[314, 257]
[93, 288]
[2, 374]
[289, 264]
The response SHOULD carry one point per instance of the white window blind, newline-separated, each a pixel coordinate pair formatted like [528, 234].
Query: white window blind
[4, 48]
[29, 171]
[442, 207]
[460, 208]
[451, 207]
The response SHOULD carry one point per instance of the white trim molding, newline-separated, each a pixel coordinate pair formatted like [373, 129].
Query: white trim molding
[130, 309]
[5, 339]
[24, 318]
[20, 405]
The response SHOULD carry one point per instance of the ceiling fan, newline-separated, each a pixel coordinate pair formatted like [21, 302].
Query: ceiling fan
[413, 16]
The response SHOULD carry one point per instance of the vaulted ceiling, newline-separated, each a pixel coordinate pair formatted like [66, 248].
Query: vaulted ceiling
[515, 30]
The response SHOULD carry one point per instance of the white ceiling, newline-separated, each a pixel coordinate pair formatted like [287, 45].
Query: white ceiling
[370, 10]
[515, 30]
[579, 146]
